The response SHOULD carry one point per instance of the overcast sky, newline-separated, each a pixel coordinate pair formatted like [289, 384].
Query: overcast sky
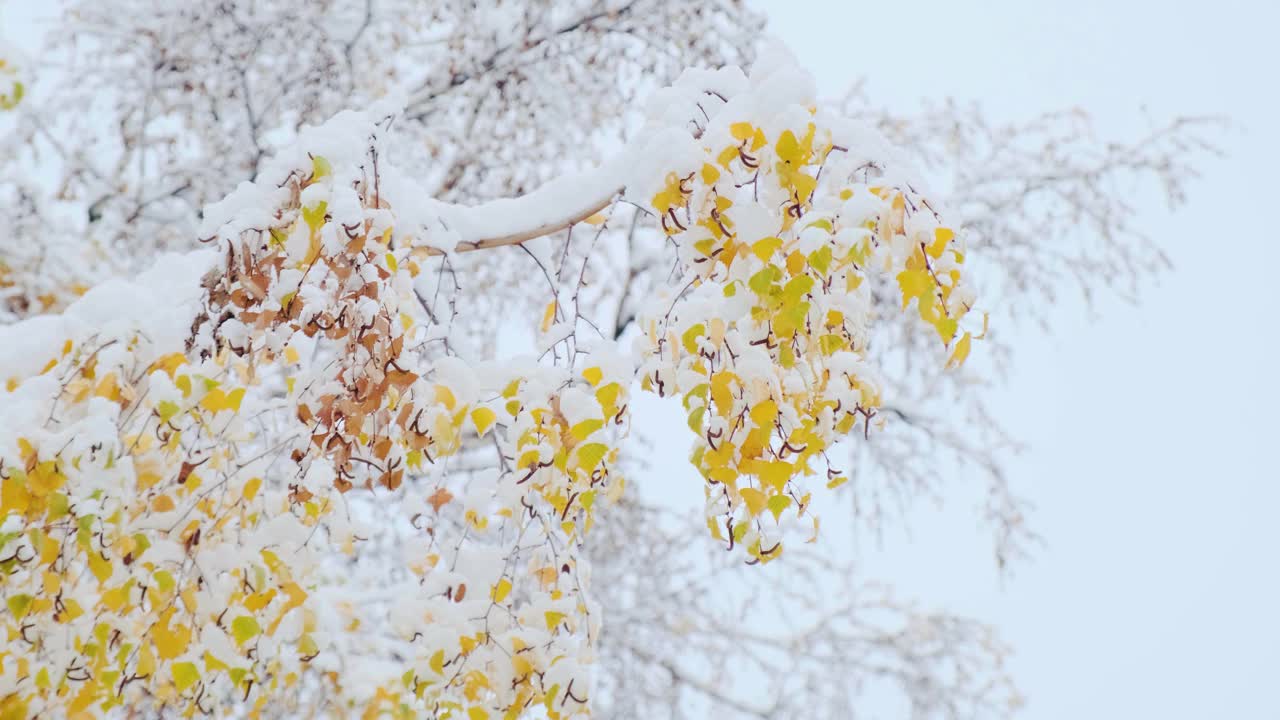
[1151, 428]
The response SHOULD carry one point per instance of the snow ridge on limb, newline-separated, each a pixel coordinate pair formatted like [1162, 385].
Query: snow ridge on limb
[700, 103]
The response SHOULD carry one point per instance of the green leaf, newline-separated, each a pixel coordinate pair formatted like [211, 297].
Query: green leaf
[18, 605]
[763, 280]
[777, 504]
[820, 259]
[796, 289]
[690, 338]
[699, 391]
[164, 580]
[314, 216]
[185, 675]
[320, 167]
[244, 628]
[167, 409]
[591, 454]
[695, 419]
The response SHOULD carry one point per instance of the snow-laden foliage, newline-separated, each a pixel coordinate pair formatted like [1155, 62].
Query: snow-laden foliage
[139, 115]
[176, 474]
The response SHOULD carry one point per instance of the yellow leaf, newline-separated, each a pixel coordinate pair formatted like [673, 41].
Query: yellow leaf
[99, 566]
[727, 155]
[467, 644]
[777, 504]
[596, 219]
[593, 375]
[775, 474]
[437, 662]
[591, 454]
[765, 248]
[216, 400]
[960, 353]
[115, 599]
[607, 396]
[804, 185]
[521, 665]
[170, 642]
[754, 499]
[14, 498]
[788, 147]
[166, 409]
[946, 327]
[314, 217]
[501, 590]
[251, 488]
[583, 430]
[18, 605]
[796, 288]
[108, 388]
[548, 316]
[483, 418]
[720, 392]
[690, 337]
[554, 619]
[70, 611]
[914, 284]
[528, 459]
[320, 167]
[764, 414]
[445, 396]
[985, 319]
[941, 236]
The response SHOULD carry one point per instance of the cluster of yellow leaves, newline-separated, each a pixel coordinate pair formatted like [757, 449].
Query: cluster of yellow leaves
[106, 602]
[760, 433]
[567, 463]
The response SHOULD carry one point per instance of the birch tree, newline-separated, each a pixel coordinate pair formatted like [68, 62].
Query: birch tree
[304, 475]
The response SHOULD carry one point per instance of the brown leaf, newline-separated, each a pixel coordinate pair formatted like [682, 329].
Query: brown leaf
[439, 498]
[298, 494]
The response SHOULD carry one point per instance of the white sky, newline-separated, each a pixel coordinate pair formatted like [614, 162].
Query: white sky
[1156, 595]
[1151, 465]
